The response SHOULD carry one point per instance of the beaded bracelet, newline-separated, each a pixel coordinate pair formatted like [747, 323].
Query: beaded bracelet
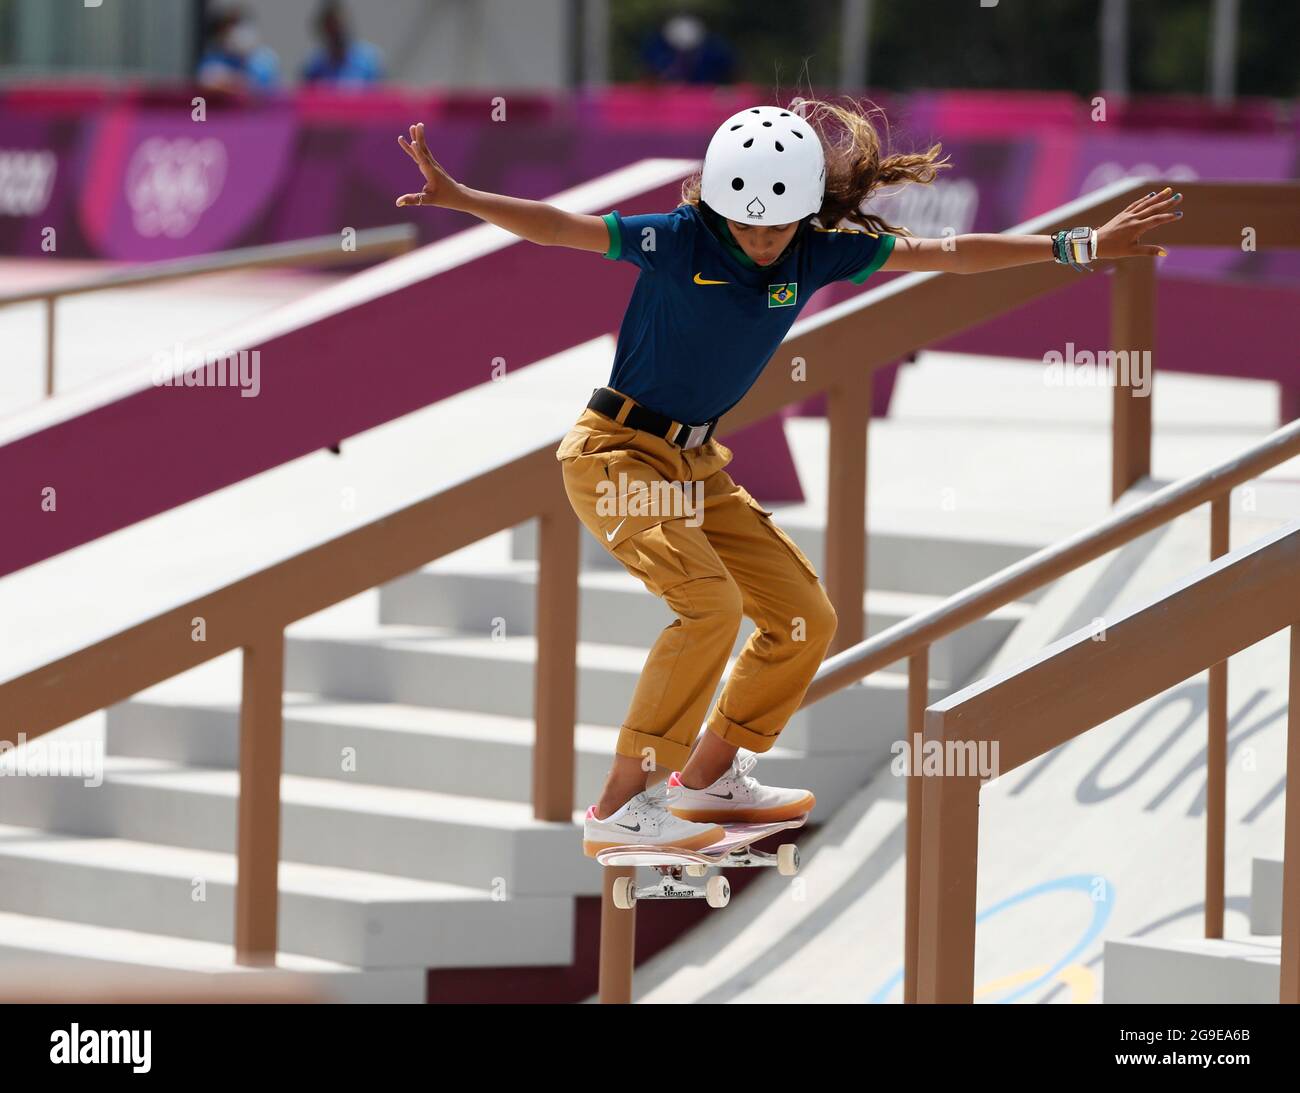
[1075, 248]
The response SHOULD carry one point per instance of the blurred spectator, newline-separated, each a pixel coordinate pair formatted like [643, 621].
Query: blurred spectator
[234, 57]
[341, 59]
[684, 51]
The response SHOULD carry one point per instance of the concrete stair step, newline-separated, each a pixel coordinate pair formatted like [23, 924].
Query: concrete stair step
[429, 666]
[414, 747]
[476, 598]
[454, 838]
[402, 746]
[1266, 896]
[1192, 970]
[55, 952]
[370, 920]
[1206, 969]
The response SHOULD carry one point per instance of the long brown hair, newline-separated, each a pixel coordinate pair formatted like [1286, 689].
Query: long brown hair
[854, 168]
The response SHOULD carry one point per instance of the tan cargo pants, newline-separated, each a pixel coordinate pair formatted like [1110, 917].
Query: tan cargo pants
[675, 519]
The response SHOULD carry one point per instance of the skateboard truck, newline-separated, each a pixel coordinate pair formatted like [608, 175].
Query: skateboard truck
[733, 851]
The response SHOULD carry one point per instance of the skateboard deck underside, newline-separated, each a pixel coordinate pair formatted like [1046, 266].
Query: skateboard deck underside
[736, 837]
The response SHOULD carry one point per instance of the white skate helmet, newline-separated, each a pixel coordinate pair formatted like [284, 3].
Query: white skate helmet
[764, 166]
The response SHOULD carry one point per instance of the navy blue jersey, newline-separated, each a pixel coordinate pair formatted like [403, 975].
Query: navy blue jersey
[704, 318]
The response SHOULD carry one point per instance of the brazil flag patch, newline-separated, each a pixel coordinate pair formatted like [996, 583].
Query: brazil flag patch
[782, 295]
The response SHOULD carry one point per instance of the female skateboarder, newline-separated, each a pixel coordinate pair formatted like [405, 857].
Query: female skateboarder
[722, 278]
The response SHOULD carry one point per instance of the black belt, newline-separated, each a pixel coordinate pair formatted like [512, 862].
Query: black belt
[610, 403]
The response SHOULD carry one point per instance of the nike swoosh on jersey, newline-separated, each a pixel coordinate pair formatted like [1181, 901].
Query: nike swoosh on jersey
[609, 535]
[699, 280]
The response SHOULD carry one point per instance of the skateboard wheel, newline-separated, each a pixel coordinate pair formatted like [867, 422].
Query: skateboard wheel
[697, 870]
[624, 893]
[787, 859]
[718, 892]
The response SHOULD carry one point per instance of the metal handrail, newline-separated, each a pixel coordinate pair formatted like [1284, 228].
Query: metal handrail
[1056, 696]
[319, 250]
[1044, 566]
[912, 638]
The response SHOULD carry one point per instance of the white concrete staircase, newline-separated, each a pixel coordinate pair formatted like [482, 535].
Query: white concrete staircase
[437, 714]
[407, 837]
[408, 840]
[1206, 970]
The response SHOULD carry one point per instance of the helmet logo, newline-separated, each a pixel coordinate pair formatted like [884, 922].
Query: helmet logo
[756, 209]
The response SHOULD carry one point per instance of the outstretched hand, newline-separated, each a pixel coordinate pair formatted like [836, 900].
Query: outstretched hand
[438, 185]
[1118, 237]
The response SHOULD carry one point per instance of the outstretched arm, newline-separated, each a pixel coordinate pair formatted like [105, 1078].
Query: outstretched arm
[1118, 238]
[535, 221]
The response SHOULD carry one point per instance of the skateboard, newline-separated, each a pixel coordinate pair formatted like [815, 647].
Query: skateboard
[734, 850]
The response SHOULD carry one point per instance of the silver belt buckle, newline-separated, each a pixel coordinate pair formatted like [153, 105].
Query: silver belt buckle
[696, 436]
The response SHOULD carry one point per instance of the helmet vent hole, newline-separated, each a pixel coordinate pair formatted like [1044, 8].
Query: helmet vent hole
[754, 111]
[767, 125]
[749, 143]
[779, 146]
[737, 183]
[778, 188]
[735, 127]
[797, 133]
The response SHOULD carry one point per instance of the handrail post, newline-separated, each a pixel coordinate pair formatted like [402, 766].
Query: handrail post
[918, 697]
[1216, 752]
[261, 731]
[49, 345]
[555, 678]
[1290, 973]
[1132, 333]
[949, 851]
[617, 940]
[848, 412]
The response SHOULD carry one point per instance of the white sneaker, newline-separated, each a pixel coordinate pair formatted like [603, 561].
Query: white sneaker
[646, 821]
[737, 798]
